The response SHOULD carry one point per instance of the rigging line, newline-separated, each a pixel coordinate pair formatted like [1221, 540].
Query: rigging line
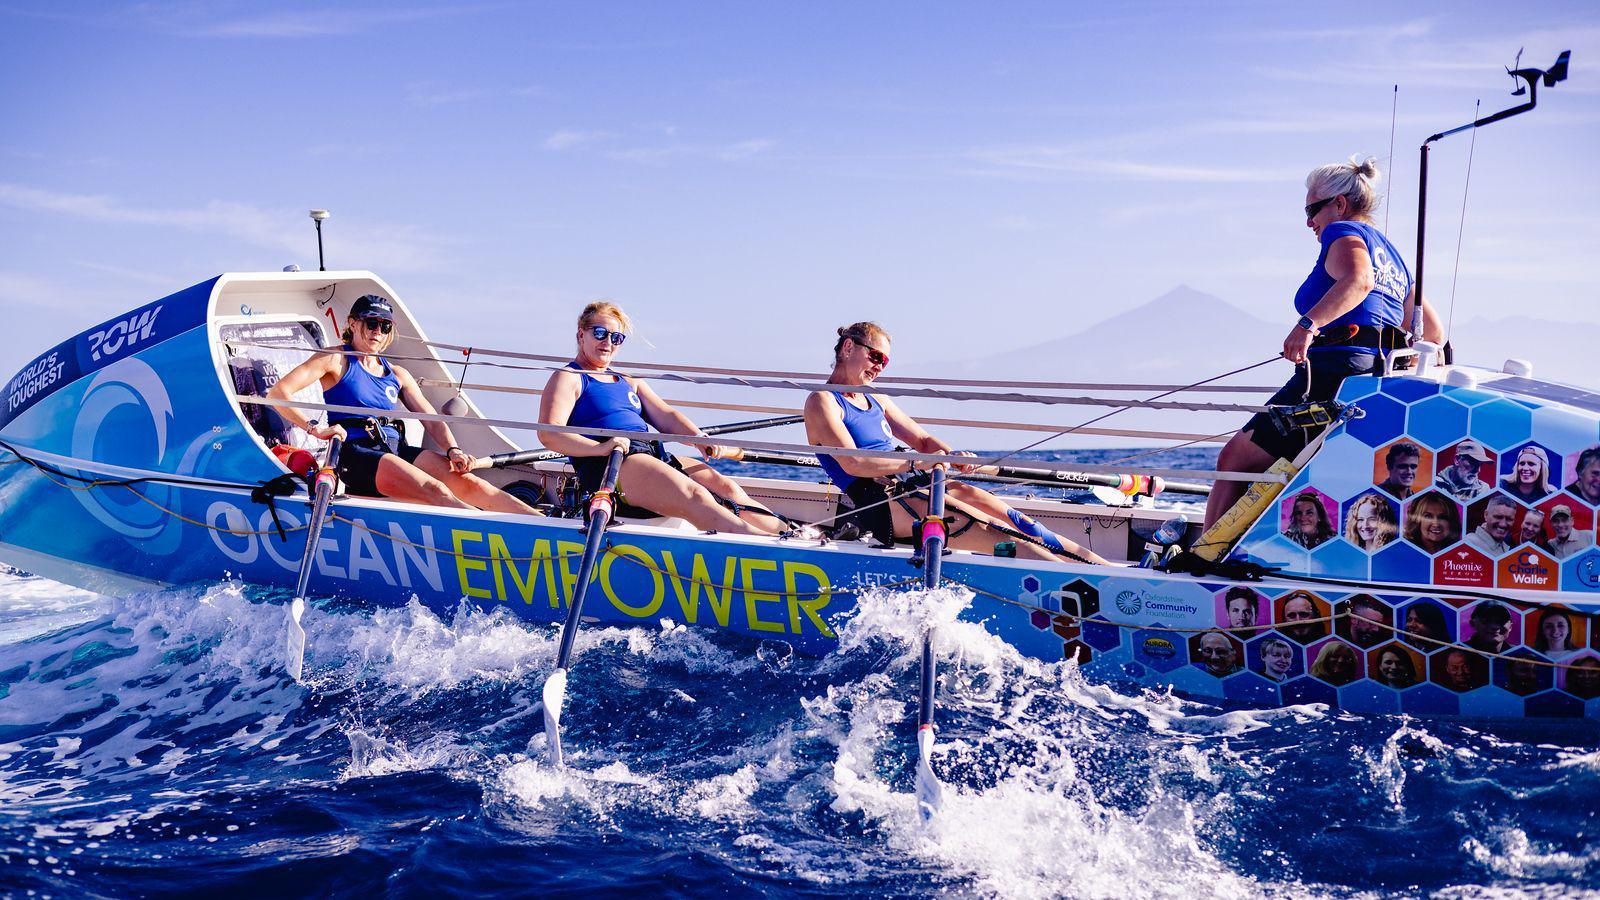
[1389, 188]
[926, 420]
[886, 379]
[1106, 415]
[591, 432]
[1461, 229]
[973, 460]
[559, 364]
[929, 393]
[1210, 439]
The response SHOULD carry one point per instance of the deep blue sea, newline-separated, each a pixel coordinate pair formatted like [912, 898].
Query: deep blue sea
[149, 746]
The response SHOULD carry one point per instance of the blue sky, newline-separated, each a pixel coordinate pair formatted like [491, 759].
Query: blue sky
[746, 177]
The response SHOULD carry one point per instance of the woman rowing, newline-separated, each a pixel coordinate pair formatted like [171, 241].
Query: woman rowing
[589, 394]
[374, 462]
[882, 497]
[1353, 309]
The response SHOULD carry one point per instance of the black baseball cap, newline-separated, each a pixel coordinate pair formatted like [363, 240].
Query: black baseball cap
[372, 306]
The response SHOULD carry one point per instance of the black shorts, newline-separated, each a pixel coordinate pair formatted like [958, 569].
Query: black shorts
[591, 470]
[358, 463]
[1329, 369]
[864, 503]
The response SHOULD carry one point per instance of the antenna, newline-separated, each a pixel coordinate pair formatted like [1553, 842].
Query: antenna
[317, 215]
[1530, 79]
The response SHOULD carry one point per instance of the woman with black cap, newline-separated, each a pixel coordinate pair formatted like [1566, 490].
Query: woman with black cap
[374, 463]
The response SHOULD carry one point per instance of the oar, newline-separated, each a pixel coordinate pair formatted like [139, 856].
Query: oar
[555, 687]
[522, 457]
[321, 499]
[930, 794]
[1014, 474]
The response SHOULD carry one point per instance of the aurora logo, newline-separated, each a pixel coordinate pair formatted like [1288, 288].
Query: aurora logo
[1588, 570]
[126, 410]
[1130, 602]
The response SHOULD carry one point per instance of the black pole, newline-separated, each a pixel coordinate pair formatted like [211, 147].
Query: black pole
[1422, 236]
[320, 266]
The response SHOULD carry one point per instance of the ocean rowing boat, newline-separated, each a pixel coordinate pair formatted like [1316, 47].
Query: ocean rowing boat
[140, 454]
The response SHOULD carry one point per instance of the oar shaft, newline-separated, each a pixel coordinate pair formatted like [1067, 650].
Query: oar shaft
[600, 509]
[1008, 474]
[523, 457]
[322, 497]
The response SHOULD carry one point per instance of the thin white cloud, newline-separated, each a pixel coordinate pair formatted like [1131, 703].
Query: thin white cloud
[737, 151]
[1071, 161]
[187, 18]
[566, 139]
[424, 94]
[745, 149]
[401, 247]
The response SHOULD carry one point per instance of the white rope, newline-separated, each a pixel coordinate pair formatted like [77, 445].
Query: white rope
[884, 379]
[357, 411]
[926, 420]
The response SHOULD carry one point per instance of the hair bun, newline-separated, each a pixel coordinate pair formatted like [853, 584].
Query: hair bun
[1365, 168]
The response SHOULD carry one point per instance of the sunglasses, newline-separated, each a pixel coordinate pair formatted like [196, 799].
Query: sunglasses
[383, 325]
[878, 357]
[1316, 207]
[602, 333]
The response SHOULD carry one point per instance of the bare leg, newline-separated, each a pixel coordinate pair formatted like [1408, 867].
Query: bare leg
[981, 537]
[998, 510]
[470, 488]
[403, 481]
[1240, 454]
[652, 484]
[725, 487]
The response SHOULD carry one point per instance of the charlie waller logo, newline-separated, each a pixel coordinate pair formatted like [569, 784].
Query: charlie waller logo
[1130, 602]
[1528, 569]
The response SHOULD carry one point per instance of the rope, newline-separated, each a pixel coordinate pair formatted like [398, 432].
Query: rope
[950, 458]
[1461, 230]
[926, 420]
[1322, 620]
[930, 393]
[902, 379]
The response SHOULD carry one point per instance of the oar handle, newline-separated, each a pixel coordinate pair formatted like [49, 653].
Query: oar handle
[601, 506]
[523, 457]
[321, 498]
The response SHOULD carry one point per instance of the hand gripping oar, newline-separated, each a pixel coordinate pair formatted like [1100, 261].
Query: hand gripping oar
[321, 499]
[930, 794]
[555, 687]
[523, 457]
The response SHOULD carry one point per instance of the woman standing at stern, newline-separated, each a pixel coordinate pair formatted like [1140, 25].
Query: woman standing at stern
[1354, 308]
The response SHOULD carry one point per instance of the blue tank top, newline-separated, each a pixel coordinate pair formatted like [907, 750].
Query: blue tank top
[1391, 282]
[607, 404]
[358, 387]
[868, 428]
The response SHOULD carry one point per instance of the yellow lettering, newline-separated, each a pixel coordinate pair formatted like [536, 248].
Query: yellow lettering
[568, 552]
[748, 568]
[502, 557]
[465, 565]
[634, 553]
[811, 605]
[687, 587]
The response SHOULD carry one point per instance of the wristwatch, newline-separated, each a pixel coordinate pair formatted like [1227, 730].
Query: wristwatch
[1306, 323]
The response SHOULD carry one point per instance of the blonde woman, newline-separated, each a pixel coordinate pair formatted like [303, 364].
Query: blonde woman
[1529, 480]
[1354, 307]
[1371, 524]
[588, 393]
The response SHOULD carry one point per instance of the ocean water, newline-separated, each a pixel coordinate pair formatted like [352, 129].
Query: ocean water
[149, 745]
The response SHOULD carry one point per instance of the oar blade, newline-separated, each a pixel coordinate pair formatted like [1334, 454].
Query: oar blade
[294, 657]
[930, 793]
[555, 697]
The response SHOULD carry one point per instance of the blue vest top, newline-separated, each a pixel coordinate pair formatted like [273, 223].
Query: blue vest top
[1391, 282]
[868, 428]
[607, 404]
[358, 387]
